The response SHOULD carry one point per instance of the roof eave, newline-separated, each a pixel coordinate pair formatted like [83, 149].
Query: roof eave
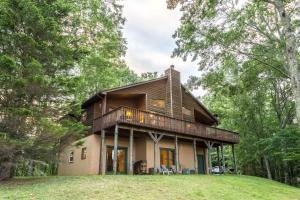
[104, 92]
[199, 102]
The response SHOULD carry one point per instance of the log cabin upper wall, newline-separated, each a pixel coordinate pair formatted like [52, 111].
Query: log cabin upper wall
[168, 89]
[173, 93]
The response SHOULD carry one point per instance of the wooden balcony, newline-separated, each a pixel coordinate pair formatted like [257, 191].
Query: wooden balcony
[132, 116]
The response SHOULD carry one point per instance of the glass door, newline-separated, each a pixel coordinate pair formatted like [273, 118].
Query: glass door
[167, 157]
[121, 162]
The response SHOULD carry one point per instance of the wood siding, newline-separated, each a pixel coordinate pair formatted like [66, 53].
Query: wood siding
[173, 94]
[189, 103]
[139, 99]
[153, 121]
[154, 90]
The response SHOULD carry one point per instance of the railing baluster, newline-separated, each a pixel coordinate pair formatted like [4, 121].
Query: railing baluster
[139, 117]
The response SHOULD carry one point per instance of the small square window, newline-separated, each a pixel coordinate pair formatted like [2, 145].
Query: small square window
[83, 153]
[71, 157]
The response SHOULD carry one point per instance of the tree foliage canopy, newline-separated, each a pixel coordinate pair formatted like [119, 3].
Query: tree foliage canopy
[249, 55]
[52, 55]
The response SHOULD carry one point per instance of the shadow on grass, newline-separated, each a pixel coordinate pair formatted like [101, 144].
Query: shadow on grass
[17, 181]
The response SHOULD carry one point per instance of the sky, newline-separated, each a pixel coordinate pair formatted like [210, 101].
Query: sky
[148, 31]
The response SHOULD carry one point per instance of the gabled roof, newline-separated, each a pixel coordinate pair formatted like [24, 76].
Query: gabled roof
[200, 104]
[101, 93]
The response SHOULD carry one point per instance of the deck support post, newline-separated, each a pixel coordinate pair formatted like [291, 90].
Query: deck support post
[222, 157]
[209, 145]
[115, 161]
[176, 153]
[218, 154]
[234, 159]
[102, 153]
[130, 163]
[155, 157]
[156, 138]
[195, 156]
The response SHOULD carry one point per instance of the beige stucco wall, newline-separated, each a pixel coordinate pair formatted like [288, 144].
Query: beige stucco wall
[88, 166]
[143, 149]
[185, 151]
[140, 149]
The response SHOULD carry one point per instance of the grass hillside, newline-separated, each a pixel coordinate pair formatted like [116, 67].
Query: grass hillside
[147, 187]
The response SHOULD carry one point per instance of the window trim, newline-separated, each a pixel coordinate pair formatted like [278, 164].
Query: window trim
[83, 156]
[173, 150]
[71, 153]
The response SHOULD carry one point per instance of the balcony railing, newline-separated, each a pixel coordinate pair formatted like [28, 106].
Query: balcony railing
[132, 116]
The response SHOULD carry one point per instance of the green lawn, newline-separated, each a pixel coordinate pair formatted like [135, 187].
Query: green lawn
[147, 187]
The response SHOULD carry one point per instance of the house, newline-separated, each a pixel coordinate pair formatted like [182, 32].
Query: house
[155, 122]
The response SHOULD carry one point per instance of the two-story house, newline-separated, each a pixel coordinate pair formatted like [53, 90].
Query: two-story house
[157, 122]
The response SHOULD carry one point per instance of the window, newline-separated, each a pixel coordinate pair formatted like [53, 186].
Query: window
[83, 153]
[158, 103]
[167, 157]
[186, 111]
[71, 157]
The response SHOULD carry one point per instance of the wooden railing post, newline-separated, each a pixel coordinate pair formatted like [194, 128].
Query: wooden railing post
[130, 167]
[102, 153]
[176, 153]
[195, 156]
[209, 146]
[118, 115]
[115, 161]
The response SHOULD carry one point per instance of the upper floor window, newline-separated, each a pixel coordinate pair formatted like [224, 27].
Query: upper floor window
[186, 111]
[71, 157]
[83, 153]
[158, 103]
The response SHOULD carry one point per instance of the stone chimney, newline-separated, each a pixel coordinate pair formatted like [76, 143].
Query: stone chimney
[173, 93]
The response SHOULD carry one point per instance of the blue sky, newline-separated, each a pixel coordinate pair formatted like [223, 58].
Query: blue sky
[148, 30]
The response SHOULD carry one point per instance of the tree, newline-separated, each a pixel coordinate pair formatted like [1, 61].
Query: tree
[259, 105]
[102, 67]
[249, 55]
[265, 31]
[53, 53]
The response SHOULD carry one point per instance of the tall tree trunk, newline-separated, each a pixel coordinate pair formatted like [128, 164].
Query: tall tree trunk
[266, 161]
[290, 53]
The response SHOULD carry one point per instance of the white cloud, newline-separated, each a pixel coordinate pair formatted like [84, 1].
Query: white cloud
[148, 30]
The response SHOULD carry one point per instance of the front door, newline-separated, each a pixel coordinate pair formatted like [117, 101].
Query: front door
[201, 166]
[121, 162]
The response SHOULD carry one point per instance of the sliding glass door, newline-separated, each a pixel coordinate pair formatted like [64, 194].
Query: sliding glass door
[121, 162]
[167, 157]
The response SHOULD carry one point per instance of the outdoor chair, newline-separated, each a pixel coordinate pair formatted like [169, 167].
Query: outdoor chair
[174, 170]
[165, 170]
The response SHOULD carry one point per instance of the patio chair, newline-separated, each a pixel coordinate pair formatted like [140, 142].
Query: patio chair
[174, 170]
[165, 170]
